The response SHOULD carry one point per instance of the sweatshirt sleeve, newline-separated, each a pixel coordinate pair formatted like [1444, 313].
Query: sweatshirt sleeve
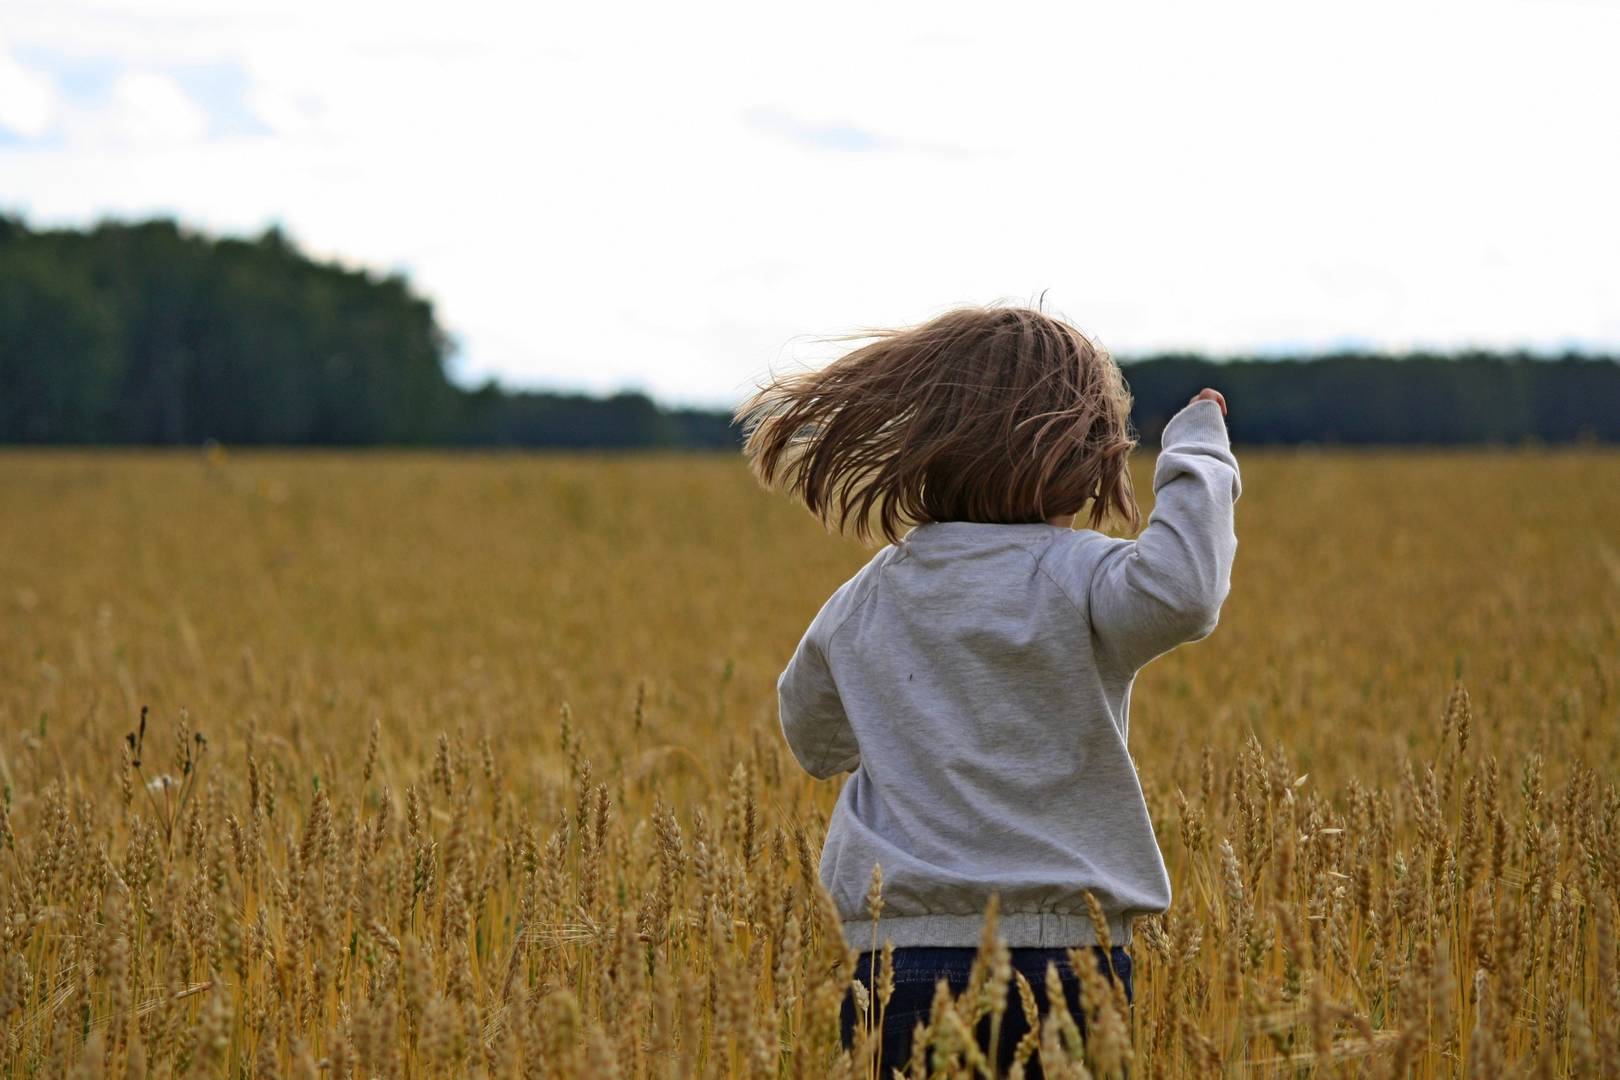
[1166, 587]
[813, 720]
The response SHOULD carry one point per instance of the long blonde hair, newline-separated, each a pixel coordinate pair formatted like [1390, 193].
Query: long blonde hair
[986, 413]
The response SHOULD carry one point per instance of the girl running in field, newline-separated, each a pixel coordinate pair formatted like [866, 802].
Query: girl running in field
[975, 675]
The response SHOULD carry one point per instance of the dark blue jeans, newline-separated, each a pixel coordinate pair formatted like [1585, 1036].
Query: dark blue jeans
[916, 970]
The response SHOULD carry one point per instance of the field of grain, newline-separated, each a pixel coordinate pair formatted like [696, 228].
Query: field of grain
[470, 765]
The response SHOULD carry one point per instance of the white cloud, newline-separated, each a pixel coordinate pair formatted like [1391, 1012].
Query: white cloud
[672, 195]
[147, 109]
[27, 106]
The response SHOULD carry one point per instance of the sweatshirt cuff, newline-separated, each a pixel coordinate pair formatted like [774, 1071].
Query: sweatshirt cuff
[1198, 422]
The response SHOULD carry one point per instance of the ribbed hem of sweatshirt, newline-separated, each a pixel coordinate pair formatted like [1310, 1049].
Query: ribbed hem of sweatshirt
[1022, 929]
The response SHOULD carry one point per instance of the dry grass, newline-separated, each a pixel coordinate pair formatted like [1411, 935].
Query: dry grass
[467, 765]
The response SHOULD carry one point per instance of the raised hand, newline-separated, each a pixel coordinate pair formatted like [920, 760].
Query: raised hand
[1211, 395]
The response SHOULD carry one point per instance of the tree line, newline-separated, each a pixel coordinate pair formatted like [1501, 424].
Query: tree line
[149, 333]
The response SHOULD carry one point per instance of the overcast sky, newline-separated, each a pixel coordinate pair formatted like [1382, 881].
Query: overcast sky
[675, 196]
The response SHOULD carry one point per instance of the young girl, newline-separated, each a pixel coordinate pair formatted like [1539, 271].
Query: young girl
[975, 676]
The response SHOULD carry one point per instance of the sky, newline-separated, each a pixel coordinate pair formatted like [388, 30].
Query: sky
[677, 198]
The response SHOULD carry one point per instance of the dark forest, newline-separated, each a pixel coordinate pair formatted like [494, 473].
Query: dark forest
[152, 334]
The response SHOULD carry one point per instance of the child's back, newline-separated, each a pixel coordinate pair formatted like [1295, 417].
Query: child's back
[977, 678]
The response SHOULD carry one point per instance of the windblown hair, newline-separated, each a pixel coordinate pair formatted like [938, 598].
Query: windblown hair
[993, 414]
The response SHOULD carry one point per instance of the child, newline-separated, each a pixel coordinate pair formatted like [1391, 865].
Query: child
[976, 674]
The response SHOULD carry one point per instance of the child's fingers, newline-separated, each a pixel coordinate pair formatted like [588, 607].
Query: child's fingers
[1211, 395]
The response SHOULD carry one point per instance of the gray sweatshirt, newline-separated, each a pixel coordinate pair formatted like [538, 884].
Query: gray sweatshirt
[977, 680]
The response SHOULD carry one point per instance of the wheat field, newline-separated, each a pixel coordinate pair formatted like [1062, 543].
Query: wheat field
[356, 765]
